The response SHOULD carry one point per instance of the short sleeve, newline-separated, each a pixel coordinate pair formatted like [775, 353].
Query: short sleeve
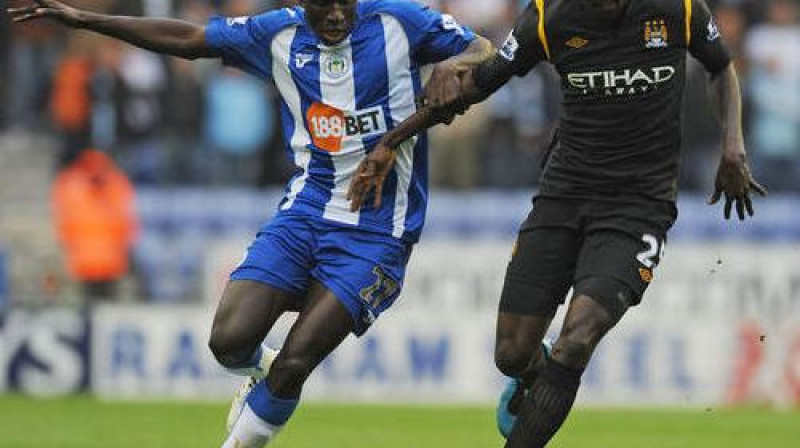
[244, 42]
[444, 37]
[434, 36]
[522, 50]
[706, 43]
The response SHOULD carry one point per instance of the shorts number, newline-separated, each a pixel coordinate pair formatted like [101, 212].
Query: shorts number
[654, 249]
[383, 288]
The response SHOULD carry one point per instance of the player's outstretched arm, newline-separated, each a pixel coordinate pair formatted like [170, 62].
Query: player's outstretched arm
[474, 86]
[734, 179]
[167, 36]
[372, 171]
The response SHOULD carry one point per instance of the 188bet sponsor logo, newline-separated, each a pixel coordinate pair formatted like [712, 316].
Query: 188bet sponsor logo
[331, 128]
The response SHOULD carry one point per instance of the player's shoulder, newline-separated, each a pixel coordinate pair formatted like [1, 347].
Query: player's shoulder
[274, 21]
[410, 12]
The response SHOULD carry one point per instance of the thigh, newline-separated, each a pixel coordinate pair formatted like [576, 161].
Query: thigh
[320, 327]
[364, 270]
[246, 313]
[540, 272]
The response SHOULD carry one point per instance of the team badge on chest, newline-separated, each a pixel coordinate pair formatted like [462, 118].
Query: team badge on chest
[335, 65]
[656, 34]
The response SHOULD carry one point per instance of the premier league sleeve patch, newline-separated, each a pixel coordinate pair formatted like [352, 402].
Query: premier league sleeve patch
[509, 49]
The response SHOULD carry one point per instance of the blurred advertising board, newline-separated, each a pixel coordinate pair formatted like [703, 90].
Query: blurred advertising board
[157, 351]
[45, 352]
[721, 324]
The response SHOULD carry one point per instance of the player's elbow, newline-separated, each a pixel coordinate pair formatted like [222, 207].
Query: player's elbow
[485, 48]
[193, 46]
[191, 51]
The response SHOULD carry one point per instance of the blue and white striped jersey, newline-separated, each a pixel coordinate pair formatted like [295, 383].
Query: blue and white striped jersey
[337, 101]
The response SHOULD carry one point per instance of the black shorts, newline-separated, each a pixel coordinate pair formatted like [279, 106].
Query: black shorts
[604, 249]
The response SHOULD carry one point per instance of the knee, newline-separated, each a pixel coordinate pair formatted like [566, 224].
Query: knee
[511, 359]
[288, 373]
[228, 349]
[572, 352]
[576, 344]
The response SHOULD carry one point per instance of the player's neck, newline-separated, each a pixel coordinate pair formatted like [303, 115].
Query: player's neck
[605, 14]
[607, 7]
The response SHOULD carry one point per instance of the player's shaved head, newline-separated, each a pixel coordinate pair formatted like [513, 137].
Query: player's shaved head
[331, 20]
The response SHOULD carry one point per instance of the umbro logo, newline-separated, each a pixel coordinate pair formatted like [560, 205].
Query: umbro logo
[576, 42]
[301, 59]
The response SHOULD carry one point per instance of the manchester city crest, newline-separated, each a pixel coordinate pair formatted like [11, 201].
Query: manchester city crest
[335, 65]
[655, 34]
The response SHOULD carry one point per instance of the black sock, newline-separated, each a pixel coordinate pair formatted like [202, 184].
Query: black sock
[545, 408]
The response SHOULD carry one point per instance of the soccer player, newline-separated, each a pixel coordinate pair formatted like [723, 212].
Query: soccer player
[347, 72]
[607, 194]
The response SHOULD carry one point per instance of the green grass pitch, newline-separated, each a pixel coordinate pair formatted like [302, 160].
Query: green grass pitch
[87, 423]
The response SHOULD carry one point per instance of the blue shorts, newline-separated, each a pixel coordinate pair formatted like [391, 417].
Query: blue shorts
[364, 270]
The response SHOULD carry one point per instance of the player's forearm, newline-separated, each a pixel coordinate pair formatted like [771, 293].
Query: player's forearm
[427, 116]
[161, 35]
[424, 118]
[727, 96]
[478, 51]
[471, 92]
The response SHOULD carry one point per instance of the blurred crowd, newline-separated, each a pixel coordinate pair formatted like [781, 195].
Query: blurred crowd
[167, 121]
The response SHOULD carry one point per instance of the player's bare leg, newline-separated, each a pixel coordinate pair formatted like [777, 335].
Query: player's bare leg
[245, 314]
[545, 408]
[321, 326]
[244, 317]
[520, 356]
[518, 350]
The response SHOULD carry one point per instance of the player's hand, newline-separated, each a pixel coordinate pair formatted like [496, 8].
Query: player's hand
[46, 9]
[370, 175]
[444, 87]
[736, 182]
[443, 93]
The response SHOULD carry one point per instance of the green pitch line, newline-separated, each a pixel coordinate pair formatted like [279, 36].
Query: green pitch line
[87, 423]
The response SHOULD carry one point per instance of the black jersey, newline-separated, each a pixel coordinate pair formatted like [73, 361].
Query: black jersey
[622, 83]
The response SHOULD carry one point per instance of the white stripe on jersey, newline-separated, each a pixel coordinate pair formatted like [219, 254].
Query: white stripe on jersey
[281, 73]
[340, 92]
[402, 106]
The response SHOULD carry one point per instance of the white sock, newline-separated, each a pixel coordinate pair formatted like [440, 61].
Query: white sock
[259, 368]
[250, 431]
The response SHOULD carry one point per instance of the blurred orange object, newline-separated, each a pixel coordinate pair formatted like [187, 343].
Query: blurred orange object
[70, 104]
[94, 215]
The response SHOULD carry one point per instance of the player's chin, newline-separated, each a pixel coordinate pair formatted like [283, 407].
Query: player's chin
[333, 37]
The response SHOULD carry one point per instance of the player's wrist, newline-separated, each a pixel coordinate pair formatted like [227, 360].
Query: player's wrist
[391, 142]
